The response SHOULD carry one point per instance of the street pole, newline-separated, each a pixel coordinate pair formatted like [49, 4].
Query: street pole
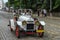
[50, 7]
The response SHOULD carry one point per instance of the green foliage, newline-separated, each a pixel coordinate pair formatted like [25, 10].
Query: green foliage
[16, 4]
[6, 4]
[44, 4]
[56, 4]
[33, 4]
[10, 2]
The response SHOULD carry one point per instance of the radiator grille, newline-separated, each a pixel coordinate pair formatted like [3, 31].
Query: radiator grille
[30, 26]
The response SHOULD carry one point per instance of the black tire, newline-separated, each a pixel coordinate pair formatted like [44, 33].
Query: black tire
[11, 29]
[17, 32]
[41, 34]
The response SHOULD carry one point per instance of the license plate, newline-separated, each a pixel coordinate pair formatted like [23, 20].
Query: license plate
[39, 30]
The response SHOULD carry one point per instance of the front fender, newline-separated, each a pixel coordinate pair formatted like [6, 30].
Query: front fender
[20, 25]
[42, 23]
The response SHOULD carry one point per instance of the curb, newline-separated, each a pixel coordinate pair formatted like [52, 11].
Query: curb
[56, 18]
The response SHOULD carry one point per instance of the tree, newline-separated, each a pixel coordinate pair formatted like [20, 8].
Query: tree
[56, 4]
[33, 4]
[16, 4]
[10, 2]
[6, 4]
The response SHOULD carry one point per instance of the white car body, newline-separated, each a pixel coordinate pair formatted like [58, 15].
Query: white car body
[24, 18]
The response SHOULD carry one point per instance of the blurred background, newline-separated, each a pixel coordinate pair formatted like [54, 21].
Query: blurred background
[52, 6]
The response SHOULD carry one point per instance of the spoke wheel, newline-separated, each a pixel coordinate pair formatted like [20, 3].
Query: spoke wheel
[17, 32]
[41, 33]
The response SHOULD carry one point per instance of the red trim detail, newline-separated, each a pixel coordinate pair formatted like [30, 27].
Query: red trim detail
[40, 27]
[17, 34]
[23, 32]
[30, 32]
[40, 33]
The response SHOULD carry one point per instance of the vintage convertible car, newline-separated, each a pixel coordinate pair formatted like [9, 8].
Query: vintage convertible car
[27, 25]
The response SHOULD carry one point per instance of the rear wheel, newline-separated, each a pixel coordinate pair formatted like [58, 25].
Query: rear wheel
[11, 29]
[40, 34]
[17, 32]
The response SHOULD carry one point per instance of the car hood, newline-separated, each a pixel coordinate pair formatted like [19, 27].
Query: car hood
[26, 18]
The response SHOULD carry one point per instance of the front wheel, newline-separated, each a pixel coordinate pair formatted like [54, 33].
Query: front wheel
[40, 34]
[17, 32]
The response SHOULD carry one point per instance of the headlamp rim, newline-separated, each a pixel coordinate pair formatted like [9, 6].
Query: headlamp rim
[24, 22]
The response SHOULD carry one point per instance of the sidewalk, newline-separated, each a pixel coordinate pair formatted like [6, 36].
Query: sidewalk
[56, 18]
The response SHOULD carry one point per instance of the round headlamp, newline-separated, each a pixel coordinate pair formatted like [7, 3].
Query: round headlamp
[37, 23]
[24, 23]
